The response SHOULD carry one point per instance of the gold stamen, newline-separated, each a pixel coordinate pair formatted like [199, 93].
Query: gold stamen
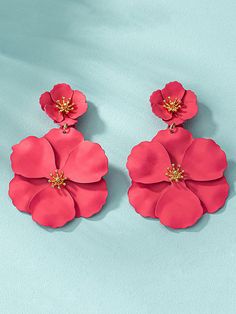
[64, 105]
[57, 179]
[175, 173]
[172, 105]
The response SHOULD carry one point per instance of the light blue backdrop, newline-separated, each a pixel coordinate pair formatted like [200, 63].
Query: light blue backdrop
[117, 52]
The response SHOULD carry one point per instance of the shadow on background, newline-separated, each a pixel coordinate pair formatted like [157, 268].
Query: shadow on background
[69, 227]
[202, 125]
[117, 183]
[90, 123]
[230, 174]
[201, 224]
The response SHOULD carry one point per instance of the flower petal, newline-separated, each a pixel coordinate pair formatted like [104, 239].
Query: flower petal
[33, 158]
[178, 207]
[147, 162]
[87, 163]
[50, 108]
[61, 90]
[80, 105]
[176, 119]
[189, 106]
[175, 143]
[89, 198]
[204, 160]
[54, 113]
[173, 90]
[44, 99]
[52, 207]
[144, 197]
[156, 100]
[68, 121]
[22, 191]
[63, 143]
[212, 194]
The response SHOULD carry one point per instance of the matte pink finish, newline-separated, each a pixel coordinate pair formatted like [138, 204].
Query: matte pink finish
[177, 204]
[78, 100]
[204, 160]
[175, 143]
[33, 158]
[211, 193]
[63, 148]
[60, 90]
[84, 164]
[145, 161]
[178, 207]
[144, 197]
[52, 207]
[174, 90]
[89, 162]
[22, 190]
[89, 198]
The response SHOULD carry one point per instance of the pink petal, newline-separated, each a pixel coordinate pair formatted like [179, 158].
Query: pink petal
[68, 121]
[50, 107]
[80, 105]
[175, 143]
[54, 113]
[22, 191]
[52, 207]
[89, 198]
[174, 90]
[178, 207]
[189, 106]
[87, 163]
[147, 163]
[204, 160]
[212, 194]
[176, 119]
[156, 100]
[144, 197]
[63, 143]
[33, 158]
[61, 90]
[44, 99]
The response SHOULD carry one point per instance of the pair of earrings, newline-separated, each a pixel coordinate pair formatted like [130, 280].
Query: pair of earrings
[175, 177]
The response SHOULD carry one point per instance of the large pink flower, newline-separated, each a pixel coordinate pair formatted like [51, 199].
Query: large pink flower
[177, 178]
[174, 104]
[63, 105]
[58, 177]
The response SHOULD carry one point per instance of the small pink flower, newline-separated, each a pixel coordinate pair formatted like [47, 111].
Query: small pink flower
[174, 104]
[58, 177]
[177, 178]
[63, 105]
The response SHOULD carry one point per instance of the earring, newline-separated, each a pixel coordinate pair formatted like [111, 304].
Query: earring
[59, 176]
[175, 177]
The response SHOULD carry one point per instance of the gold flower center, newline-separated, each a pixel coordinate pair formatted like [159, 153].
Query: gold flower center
[175, 173]
[172, 105]
[64, 105]
[57, 179]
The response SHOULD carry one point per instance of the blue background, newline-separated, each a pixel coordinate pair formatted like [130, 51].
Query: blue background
[117, 52]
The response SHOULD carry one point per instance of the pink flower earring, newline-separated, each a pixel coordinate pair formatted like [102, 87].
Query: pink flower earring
[175, 177]
[59, 176]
